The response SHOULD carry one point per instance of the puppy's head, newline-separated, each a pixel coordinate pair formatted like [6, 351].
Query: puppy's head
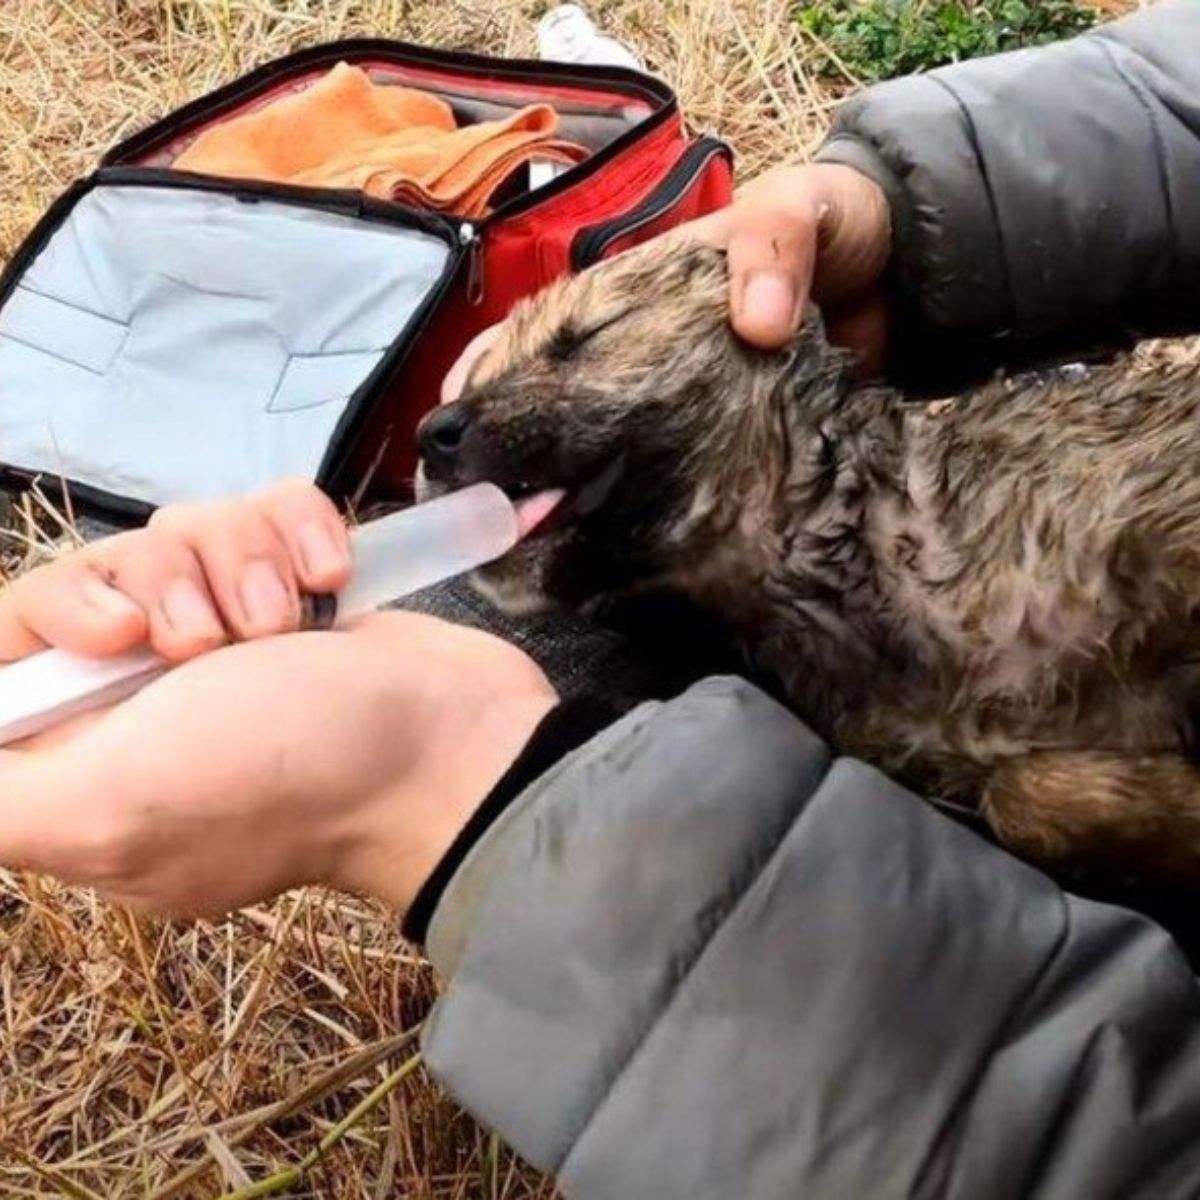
[626, 389]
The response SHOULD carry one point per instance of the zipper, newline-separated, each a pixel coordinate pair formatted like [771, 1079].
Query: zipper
[592, 241]
[107, 507]
[619, 80]
[357, 418]
[472, 244]
[463, 237]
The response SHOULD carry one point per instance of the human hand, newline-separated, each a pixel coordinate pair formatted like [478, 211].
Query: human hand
[350, 758]
[799, 232]
[195, 578]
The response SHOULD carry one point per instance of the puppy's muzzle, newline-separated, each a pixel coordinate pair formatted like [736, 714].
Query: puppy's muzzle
[442, 439]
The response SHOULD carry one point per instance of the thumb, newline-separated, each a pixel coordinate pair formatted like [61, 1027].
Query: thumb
[771, 260]
[49, 817]
[770, 238]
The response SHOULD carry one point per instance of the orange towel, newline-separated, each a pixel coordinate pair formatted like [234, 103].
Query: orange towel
[395, 143]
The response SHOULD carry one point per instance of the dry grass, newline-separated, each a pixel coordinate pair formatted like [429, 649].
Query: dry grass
[153, 1061]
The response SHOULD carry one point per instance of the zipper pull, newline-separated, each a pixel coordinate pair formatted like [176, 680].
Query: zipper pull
[469, 237]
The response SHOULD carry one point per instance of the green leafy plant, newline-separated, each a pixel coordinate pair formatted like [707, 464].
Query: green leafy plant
[880, 39]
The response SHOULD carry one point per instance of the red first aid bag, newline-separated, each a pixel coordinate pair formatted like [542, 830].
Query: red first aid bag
[169, 336]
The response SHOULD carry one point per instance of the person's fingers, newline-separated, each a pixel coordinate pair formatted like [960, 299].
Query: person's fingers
[243, 561]
[456, 378]
[771, 258]
[316, 537]
[163, 575]
[864, 330]
[195, 575]
[74, 604]
[769, 233]
[856, 236]
[17, 640]
[821, 231]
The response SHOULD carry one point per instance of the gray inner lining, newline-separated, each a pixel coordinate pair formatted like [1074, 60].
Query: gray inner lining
[173, 345]
[586, 126]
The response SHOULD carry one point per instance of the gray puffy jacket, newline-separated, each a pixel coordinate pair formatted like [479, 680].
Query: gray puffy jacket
[1045, 203]
[702, 958]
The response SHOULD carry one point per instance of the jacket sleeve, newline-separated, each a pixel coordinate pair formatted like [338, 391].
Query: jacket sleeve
[1046, 203]
[700, 958]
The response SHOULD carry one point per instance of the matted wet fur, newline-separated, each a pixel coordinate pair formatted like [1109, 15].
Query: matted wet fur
[996, 599]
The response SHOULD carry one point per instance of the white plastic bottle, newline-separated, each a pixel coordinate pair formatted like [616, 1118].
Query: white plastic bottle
[567, 34]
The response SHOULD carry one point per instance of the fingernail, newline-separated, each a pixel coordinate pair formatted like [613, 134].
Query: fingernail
[189, 611]
[769, 298]
[264, 598]
[321, 552]
[109, 600]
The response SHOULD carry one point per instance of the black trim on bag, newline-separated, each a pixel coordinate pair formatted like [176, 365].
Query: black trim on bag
[353, 204]
[618, 80]
[342, 202]
[41, 233]
[361, 408]
[590, 243]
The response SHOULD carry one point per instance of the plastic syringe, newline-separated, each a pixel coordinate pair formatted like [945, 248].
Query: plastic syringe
[393, 557]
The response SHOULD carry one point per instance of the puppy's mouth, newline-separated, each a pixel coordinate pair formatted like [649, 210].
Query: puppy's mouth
[549, 510]
[546, 510]
[535, 511]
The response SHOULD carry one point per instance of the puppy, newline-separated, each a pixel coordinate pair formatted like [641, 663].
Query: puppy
[995, 599]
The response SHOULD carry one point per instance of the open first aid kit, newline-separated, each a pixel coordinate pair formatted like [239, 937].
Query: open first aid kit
[272, 281]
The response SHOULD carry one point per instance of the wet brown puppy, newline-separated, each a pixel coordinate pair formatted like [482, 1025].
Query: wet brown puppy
[995, 599]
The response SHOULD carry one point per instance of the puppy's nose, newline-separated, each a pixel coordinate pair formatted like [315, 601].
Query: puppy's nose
[441, 434]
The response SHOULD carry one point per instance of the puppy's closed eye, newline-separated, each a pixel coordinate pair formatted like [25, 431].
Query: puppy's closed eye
[565, 343]
[568, 339]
